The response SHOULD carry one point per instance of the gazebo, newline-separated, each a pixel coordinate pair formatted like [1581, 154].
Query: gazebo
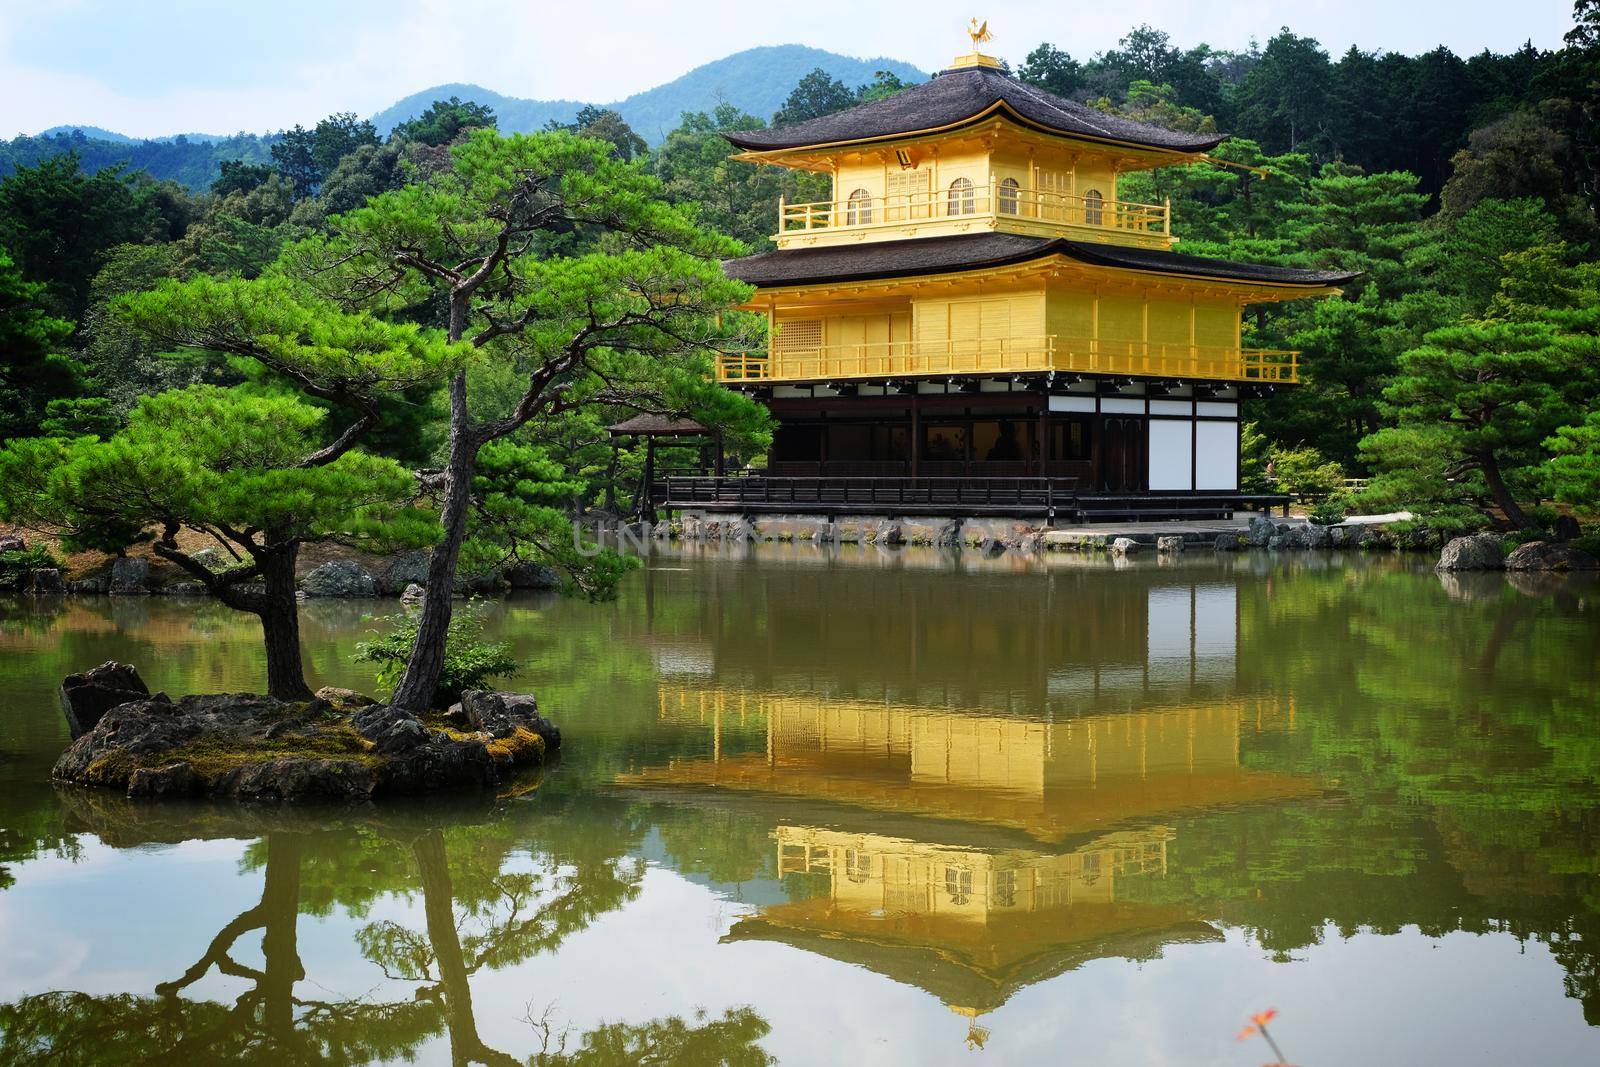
[651, 428]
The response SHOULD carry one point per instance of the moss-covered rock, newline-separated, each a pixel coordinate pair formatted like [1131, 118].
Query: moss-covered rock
[340, 746]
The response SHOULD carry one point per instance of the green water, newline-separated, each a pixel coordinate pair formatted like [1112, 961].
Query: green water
[866, 807]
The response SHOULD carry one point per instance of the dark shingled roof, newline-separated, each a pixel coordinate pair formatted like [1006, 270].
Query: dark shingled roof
[954, 97]
[974, 251]
[657, 426]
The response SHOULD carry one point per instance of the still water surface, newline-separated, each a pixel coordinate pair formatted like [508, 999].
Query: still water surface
[866, 807]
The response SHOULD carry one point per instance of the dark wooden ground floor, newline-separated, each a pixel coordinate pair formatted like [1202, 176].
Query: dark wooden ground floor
[1065, 451]
[1052, 500]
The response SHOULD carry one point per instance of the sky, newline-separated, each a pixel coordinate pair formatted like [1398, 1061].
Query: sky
[152, 67]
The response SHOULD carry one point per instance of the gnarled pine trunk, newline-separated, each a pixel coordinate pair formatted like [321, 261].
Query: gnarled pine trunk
[279, 613]
[1502, 493]
[416, 688]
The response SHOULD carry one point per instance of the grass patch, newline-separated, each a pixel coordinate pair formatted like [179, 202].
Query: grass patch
[522, 746]
[211, 758]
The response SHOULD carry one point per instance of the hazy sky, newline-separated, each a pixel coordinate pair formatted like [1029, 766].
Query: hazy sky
[148, 67]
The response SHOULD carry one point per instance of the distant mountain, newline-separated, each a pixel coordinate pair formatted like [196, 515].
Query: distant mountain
[95, 133]
[514, 115]
[757, 80]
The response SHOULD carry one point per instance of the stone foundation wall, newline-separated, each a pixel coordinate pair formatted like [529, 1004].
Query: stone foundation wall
[999, 534]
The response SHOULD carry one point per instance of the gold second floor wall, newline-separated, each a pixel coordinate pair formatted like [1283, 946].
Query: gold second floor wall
[1154, 326]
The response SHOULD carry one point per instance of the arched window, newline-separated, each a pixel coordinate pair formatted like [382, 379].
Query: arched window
[1093, 202]
[962, 200]
[1010, 194]
[858, 209]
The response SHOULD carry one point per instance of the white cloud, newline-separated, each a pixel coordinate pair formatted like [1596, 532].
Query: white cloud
[606, 51]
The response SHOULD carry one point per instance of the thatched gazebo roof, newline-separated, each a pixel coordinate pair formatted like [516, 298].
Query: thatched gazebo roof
[657, 426]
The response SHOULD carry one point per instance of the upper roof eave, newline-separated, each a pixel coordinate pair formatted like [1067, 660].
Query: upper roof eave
[959, 97]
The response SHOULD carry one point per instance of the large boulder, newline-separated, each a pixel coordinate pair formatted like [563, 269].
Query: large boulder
[339, 578]
[405, 569]
[1259, 530]
[86, 697]
[1169, 545]
[1550, 556]
[1476, 552]
[500, 715]
[532, 576]
[13, 543]
[1124, 546]
[46, 581]
[129, 576]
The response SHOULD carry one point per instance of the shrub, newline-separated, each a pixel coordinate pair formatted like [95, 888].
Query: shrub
[15, 567]
[469, 660]
[1589, 543]
[1305, 473]
[1331, 511]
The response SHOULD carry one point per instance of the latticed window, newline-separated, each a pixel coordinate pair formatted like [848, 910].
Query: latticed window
[798, 335]
[858, 208]
[857, 865]
[958, 884]
[962, 199]
[1093, 208]
[1005, 889]
[1010, 194]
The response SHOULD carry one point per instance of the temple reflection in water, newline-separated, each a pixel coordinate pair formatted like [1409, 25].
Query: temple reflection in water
[973, 850]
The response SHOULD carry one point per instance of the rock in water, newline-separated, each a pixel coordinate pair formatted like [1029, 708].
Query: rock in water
[1124, 546]
[501, 714]
[413, 594]
[1259, 530]
[532, 576]
[340, 746]
[404, 570]
[128, 576]
[86, 697]
[1479, 552]
[1167, 546]
[1550, 556]
[339, 578]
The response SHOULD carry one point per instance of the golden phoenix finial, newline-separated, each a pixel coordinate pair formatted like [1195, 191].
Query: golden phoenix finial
[979, 33]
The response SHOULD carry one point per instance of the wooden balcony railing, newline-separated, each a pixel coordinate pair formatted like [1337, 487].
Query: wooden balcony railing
[993, 199]
[1010, 355]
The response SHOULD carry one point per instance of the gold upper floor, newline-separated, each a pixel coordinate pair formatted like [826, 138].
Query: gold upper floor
[998, 177]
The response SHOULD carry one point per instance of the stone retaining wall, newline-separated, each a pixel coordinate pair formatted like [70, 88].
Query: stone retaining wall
[1008, 533]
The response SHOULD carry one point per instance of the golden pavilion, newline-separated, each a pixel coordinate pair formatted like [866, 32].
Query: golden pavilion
[977, 323]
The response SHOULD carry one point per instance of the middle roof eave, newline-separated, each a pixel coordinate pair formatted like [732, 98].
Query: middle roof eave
[912, 257]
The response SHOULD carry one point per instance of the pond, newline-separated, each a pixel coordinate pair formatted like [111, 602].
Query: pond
[870, 806]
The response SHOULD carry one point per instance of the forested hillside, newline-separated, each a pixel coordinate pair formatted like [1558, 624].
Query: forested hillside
[1460, 373]
[192, 163]
[756, 80]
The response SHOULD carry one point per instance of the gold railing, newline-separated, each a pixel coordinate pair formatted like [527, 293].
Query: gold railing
[1010, 355]
[993, 199]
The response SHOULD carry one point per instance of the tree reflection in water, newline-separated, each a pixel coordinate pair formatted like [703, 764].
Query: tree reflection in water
[476, 916]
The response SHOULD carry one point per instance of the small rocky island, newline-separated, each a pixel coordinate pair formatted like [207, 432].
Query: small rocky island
[339, 746]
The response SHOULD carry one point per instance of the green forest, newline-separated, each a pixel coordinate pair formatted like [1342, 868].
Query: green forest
[1456, 379]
